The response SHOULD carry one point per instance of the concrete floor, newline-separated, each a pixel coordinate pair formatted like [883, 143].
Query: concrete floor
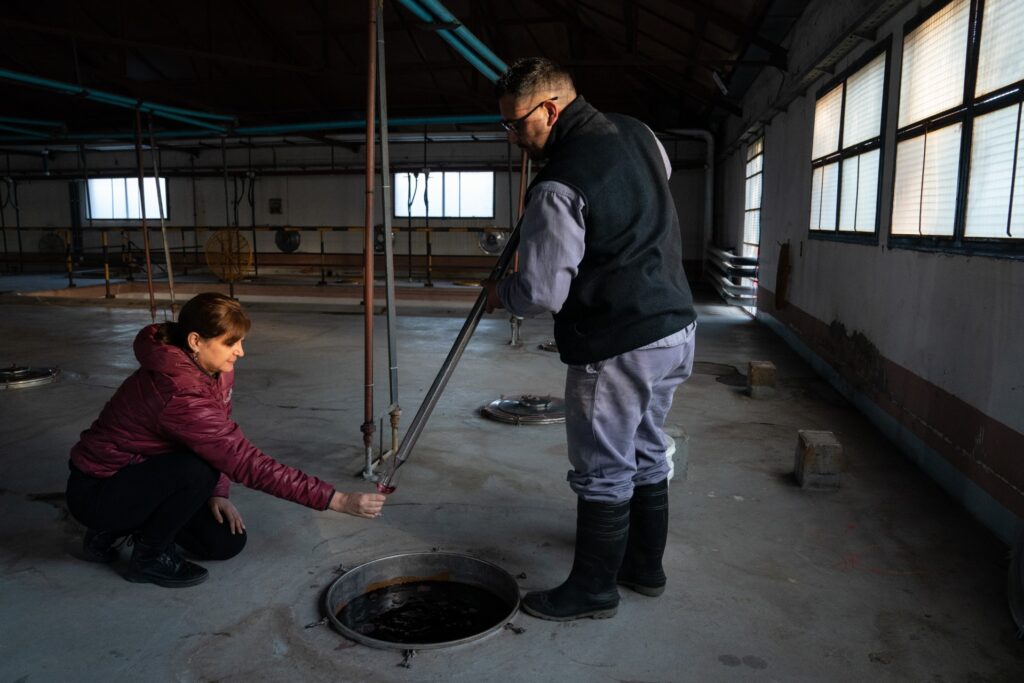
[885, 580]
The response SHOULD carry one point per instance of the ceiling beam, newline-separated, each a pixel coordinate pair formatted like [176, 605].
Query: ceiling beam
[149, 45]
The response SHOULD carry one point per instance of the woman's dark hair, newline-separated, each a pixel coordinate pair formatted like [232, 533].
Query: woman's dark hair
[209, 315]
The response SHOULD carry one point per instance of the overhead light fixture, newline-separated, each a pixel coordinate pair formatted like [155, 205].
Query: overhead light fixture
[718, 81]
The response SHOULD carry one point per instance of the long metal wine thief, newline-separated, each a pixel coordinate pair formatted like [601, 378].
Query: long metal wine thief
[448, 367]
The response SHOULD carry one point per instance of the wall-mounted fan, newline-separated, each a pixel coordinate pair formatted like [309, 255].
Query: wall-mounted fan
[229, 255]
[493, 241]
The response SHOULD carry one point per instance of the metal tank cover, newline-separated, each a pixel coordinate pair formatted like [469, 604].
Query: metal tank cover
[526, 410]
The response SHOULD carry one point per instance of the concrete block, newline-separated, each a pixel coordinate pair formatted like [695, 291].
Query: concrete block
[819, 460]
[761, 379]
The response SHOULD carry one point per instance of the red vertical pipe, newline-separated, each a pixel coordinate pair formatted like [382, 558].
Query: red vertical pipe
[371, 101]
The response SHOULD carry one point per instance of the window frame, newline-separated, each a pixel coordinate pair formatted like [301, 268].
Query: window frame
[969, 109]
[759, 137]
[843, 153]
[418, 171]
[87, 203]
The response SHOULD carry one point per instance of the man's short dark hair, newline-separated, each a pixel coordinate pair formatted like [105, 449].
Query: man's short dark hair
[530, 74]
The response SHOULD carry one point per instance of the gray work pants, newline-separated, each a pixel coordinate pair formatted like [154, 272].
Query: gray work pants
[614, 413]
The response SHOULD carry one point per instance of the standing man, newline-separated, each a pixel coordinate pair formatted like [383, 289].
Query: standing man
[600, 249]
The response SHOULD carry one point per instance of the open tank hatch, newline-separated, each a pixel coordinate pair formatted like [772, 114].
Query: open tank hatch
[526, 410]
[422, 601]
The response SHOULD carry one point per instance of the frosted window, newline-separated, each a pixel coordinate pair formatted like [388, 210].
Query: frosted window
[452, 188]
[410, 189]
[450, 194]
[824, 192]
[924, 196]
[752, 201]
[408, 194]
[934, 56]
[988, 193]
[862, 116]
[867, 192]
[755, 165]
[816, 177]
[755, 148]
[1017, 216]
[849, 187]
[101, 197]
[829, 195]
[999, 61]
[752, 227]
[826, 123]
[118, 198]
[859, 193]
[476, 195]
[753, 193]
[906, 202]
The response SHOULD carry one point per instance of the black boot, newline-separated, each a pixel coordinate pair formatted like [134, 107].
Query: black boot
[162, 566]
[100, 546]
[648, 528]
[602, 530]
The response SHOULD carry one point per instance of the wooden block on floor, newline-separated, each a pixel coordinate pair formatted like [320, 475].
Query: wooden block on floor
[761, 379]
[819, 460]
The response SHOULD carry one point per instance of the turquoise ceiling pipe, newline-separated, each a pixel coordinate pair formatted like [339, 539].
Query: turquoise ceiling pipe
[161, 135]
[285, 129]
[452, 40]
[343, 125]
[24, 132]
[183, 119]
[446, 17]
[155, 110]
[108, 98]
[31, 122]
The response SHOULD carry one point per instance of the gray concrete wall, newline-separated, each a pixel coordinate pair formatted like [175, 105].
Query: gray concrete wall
[947, 325]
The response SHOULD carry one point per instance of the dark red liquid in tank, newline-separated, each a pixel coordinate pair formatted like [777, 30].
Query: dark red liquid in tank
[424, 612]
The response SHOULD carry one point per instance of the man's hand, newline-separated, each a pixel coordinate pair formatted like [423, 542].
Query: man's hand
[493, 300]
[223, 509]
[358, 504]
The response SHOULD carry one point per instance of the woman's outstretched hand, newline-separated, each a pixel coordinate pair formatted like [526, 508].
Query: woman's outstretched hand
[358, 504]
[224, 510]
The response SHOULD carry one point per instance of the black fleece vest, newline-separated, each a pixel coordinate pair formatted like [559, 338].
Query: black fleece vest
[631, 289]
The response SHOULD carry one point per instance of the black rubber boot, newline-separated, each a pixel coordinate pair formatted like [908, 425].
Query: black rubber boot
[163, 566]
[641, 568]
[602, 530]
[100, 546]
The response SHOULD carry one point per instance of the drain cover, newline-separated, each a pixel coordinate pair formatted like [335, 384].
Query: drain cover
[16, 377]
[526, 409]
[549, 345]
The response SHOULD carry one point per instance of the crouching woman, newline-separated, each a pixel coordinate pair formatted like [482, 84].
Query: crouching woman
[156, 464]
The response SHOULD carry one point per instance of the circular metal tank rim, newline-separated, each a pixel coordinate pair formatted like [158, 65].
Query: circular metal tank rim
[405, 565]
[33, 377]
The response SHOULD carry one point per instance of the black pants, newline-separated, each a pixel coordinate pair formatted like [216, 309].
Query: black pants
[162, 500]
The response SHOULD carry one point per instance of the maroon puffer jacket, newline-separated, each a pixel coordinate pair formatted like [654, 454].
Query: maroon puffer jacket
[169, 404]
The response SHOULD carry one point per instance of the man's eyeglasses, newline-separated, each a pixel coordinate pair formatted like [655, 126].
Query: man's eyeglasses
[514, 125]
